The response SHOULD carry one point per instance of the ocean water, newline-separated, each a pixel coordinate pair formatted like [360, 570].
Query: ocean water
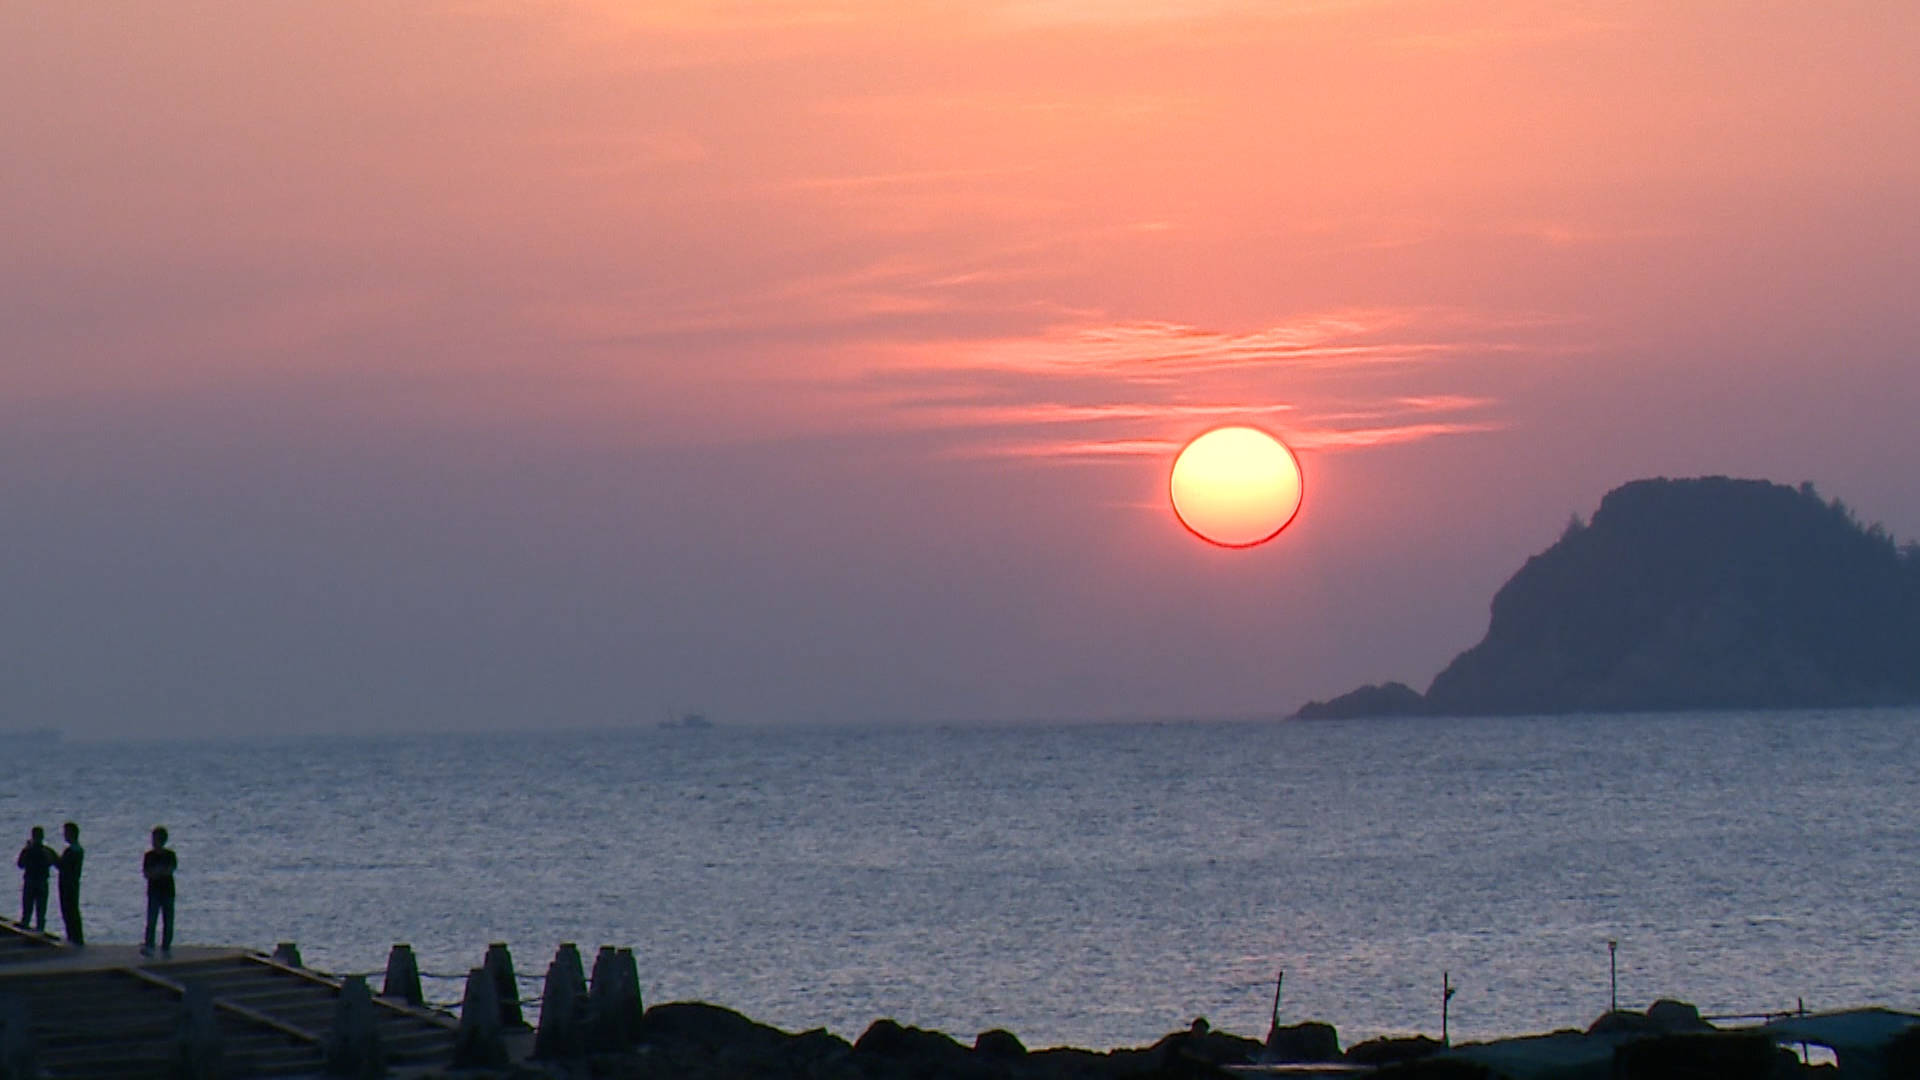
[1093, 885]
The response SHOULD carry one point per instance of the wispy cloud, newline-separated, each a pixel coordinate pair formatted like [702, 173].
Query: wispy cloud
[1061, 387]
[1122, 391]
[1324, 439]
[1155, 352]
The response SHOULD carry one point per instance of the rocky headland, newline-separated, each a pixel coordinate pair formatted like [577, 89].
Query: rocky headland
[1694, 594]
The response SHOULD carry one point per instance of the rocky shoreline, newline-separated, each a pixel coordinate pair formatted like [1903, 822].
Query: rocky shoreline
[697, 1041]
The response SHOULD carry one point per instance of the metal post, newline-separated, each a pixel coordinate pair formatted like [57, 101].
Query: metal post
[1274, 1024]
[1613, 977]
[1800, 1006]
[1446, 1000]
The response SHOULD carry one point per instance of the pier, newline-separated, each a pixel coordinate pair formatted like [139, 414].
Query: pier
[110, 1011]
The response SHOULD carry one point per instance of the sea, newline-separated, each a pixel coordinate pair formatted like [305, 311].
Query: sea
[1077, 884]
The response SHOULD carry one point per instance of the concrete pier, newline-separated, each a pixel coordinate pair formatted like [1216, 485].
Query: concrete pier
[109, 1011]
[106, 1011]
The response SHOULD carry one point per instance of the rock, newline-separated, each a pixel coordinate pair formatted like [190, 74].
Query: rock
[1433, 1068]
[689, 1040]
[707, 1027]
[1068, 1063]
[999, 1043]
[1676, 1017]
[1388, 1050]
[1202, 1044]
[1624, 1022]
[923, 1054]
[1704, 593]
[818, 1052]
[1663, 1017]
[1384, 699]
[696, 1041]
[889, 1038]
[1903, 1053]
[1304, 1043]
[1722, 1055]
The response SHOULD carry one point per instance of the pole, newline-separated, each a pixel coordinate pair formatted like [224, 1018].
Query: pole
[1613, 977]
[1800, 1007]
[1274, 1025]
[1446, 1000]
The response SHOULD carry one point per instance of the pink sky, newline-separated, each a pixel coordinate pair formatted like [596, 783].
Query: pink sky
[485, 362]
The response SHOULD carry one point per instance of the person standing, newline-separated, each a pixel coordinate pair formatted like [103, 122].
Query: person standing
[36, 866]
[158, 867]
[69, 867]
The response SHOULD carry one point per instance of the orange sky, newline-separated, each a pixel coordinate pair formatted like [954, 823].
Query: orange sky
[811, 360]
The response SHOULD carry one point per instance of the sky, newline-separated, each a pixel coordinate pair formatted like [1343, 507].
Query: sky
[479, 364]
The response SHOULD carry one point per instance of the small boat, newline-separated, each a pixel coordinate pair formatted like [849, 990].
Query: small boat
[692, 721]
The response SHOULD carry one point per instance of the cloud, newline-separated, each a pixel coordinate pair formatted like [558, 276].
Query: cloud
[1159, 351]
[1121, 391]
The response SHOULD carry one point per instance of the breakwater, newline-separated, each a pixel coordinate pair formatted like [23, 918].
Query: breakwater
[205, 1013]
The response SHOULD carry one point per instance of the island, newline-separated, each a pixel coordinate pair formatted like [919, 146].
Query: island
[1707, 593]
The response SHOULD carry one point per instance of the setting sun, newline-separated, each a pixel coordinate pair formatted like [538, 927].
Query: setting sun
[1236, 486]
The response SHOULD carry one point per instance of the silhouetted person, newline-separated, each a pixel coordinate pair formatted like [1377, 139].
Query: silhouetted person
[69, 867]
[36, 866]
[158, 866]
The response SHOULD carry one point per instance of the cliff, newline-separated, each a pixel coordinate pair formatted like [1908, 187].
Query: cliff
[1708, 593]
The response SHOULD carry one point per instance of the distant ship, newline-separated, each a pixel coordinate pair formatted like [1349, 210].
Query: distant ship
[692, 721]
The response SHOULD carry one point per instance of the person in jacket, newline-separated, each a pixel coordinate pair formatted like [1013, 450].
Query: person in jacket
[69, 867]
[36, 863]
[157, 867]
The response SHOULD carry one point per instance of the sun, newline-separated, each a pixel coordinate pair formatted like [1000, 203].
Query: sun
[1237, 487]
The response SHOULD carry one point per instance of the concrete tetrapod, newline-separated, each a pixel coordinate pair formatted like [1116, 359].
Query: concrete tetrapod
[403, 977]
[506, 987]
[562, 1032]
[197, 1050]
[353, 1046]
[17, 1059]
[613, 1002]
[478, 1044]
